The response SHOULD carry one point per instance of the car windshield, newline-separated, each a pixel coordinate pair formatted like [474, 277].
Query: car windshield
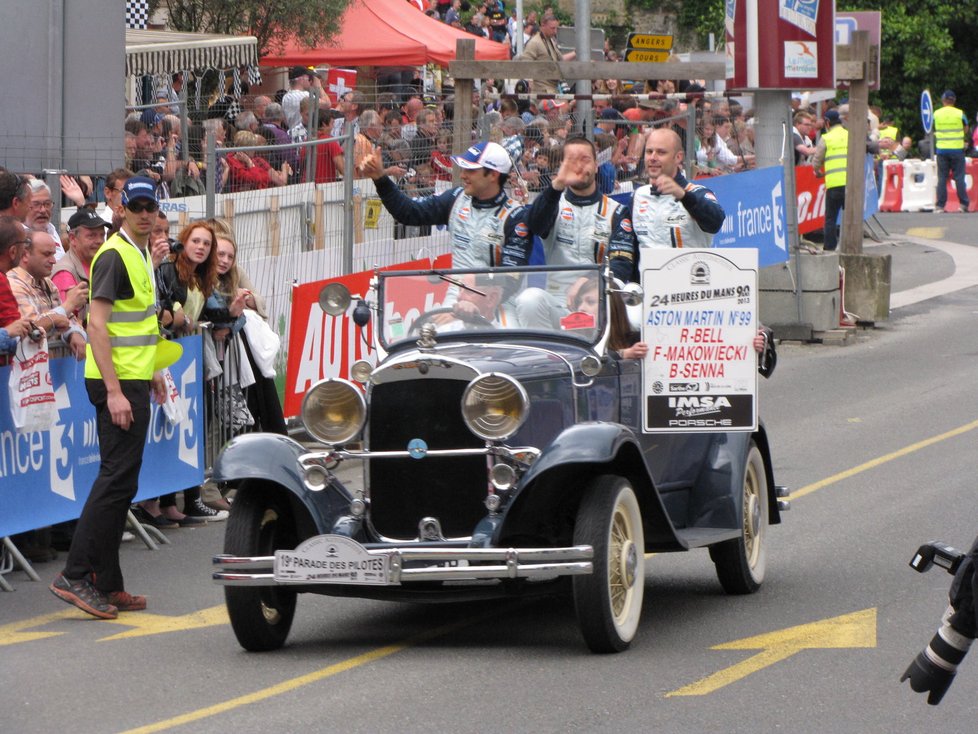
[553, 300]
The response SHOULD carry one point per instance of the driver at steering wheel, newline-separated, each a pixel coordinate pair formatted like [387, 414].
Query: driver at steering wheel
[482, 298]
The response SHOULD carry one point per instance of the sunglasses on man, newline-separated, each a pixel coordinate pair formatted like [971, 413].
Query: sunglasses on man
[140, 206]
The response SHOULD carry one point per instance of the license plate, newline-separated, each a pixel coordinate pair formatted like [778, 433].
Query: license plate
[331, 559]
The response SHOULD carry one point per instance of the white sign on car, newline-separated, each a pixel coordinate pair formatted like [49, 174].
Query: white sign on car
[331, 559]
[699, 319]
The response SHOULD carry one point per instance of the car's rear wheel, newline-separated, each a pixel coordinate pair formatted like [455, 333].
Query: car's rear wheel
[609, 600]
[741, 562]
[260, 523]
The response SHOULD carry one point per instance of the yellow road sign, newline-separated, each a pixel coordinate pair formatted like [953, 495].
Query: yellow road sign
[661, 42]
[857, 629]
[635, 54]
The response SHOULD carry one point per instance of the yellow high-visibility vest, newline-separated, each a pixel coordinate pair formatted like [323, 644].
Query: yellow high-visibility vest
[132, 326]
[949, 129]
[836, 154]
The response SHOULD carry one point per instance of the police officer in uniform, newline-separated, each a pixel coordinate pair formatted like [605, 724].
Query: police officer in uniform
[120, 375]
[950, 140]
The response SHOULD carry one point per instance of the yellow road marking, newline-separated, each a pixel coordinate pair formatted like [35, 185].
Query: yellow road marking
[11, 634]
[157, 624]
[928, 233]
[304, 680]
[857, 629]
[872, 464]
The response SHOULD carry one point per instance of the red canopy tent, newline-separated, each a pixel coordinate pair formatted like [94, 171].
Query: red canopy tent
[387, 33]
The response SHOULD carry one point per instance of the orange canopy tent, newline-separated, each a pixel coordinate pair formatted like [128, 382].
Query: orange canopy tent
[387, 33]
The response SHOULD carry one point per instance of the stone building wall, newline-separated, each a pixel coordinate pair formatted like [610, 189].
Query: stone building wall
[625, 19]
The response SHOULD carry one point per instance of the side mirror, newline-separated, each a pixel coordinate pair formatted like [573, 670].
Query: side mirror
[590, 366]
[334, 299]
[632, 294]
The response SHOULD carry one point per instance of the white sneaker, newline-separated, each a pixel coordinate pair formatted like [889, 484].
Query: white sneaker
[127, 537]
[939, 210]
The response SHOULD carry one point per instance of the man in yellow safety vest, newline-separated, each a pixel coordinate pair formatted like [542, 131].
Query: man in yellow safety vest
[830, 161]
[120, 374]
[950, 140]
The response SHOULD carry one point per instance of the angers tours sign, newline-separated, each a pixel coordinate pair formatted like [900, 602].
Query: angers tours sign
[699, 319]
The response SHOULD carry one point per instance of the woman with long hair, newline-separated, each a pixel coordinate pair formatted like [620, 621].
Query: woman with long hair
[184, 283]
[236, 293]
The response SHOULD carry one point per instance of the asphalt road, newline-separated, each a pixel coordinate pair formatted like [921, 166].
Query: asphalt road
[875, 438]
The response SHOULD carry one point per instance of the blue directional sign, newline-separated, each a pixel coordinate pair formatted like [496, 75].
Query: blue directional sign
[927, 111]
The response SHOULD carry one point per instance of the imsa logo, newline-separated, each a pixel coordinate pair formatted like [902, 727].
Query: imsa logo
[698, 402]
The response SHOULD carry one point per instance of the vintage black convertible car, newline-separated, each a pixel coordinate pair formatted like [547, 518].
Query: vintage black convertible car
[502, 454]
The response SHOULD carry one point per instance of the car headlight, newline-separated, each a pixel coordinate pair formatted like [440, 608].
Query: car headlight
[334, 411]
[494, 406]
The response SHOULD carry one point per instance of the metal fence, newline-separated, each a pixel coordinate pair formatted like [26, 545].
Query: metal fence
[321, 225]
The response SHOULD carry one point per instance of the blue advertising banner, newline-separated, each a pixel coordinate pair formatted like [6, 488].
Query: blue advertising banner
[45, 476]
[754, 203]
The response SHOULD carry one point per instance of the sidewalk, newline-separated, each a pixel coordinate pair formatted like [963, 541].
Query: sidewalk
[926, 268]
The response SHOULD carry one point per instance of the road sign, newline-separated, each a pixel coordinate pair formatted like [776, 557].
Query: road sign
[638, 54]
[567, 41]
[927, 111]
[660, 42]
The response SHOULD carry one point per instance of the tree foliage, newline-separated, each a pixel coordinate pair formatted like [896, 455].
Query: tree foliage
[274, 23]
[926, 44]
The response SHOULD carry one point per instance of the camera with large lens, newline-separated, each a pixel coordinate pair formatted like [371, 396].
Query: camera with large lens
[176, 246]
[934, 668]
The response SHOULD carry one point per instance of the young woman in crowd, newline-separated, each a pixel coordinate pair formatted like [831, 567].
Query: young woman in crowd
[184, 283]
[236, 293]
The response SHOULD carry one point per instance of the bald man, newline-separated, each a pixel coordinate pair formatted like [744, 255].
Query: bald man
[670, 211]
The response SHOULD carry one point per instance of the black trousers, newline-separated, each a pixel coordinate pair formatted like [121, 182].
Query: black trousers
[835, 201]
[95, 546]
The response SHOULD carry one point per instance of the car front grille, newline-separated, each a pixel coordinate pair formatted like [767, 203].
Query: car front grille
[402, 491]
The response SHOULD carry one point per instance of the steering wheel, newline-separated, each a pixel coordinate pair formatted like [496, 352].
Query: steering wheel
[469, 318]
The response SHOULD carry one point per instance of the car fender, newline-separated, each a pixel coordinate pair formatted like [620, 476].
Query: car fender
[717, 501]
[556, 480]
[275, 458]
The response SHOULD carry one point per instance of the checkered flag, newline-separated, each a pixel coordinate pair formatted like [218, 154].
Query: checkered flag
[137, 13]
[254, 76]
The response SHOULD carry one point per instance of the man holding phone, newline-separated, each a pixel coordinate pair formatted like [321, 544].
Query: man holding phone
[86, 233]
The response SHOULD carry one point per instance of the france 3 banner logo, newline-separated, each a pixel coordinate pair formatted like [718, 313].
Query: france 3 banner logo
[754, 204]
[45, 476]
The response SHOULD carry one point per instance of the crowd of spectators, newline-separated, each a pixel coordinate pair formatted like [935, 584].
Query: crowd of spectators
[44, 295]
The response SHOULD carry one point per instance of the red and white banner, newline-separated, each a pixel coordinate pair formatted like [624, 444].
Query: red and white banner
[339, 82]
[810, 191]
[321, 345]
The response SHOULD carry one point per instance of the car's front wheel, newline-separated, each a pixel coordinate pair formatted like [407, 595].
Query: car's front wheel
[609, 600]
[260, 523]
[740, 563]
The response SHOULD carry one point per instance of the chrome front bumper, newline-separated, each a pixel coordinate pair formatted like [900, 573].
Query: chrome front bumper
[428, 564]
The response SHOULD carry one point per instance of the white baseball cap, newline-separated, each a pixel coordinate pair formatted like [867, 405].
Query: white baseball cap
[485, 155]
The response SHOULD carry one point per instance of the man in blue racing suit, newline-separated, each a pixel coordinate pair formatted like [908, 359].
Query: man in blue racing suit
[587, 227]
[488, 229]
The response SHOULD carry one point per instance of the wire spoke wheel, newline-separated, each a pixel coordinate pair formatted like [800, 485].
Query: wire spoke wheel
[741, 562]
[609, 600]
